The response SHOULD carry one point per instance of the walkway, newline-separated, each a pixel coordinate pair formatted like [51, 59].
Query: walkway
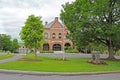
[16, 57]
[76, 55]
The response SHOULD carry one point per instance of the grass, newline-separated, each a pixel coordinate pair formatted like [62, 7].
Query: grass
[49, 64]
[4, 56]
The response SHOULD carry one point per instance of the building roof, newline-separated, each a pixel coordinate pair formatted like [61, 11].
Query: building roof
[51, 23]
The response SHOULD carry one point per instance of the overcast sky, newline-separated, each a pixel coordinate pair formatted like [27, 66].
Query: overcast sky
[13, 13]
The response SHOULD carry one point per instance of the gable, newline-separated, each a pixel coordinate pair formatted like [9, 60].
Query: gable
[56, 24]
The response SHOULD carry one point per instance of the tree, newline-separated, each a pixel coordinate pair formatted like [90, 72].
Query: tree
[6, 42]
[0, 42]
[15, 45]
[94, 21]
[32, 32]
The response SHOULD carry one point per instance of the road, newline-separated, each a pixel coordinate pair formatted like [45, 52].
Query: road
[115, 76]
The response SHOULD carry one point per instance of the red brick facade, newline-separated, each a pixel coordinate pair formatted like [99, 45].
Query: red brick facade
[54, 36]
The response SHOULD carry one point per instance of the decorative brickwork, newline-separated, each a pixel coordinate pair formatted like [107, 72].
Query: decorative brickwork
[55, 37]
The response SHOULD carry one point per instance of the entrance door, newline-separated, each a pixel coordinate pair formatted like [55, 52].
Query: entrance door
[56, 47]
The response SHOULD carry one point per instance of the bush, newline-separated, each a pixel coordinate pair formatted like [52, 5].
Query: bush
[72, 51]
[47, 51]
[83, 50]
[16, 52]
[104, 52]
[118, 53]
[1, 51]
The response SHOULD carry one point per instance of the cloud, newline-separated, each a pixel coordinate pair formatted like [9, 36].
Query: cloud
[13, 13]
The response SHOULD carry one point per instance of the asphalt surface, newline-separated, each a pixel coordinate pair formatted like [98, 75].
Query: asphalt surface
[18, 56]
[70, 55]
[4, 76]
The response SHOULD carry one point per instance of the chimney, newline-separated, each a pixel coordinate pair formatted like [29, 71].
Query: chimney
[46, 22]
[56, 18]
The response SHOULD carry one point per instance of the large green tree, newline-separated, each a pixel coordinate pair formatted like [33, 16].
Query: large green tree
[32, 32]
[0, 42]
[94, 21]
[15, 45]
[6, 42]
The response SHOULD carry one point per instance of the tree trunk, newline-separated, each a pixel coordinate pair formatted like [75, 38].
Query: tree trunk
[35, 48]
[35, 54]
[111, 54]
[110, 50]
[63, 53]
[85, 50]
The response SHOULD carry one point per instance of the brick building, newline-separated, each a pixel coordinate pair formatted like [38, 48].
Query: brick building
[55, 37]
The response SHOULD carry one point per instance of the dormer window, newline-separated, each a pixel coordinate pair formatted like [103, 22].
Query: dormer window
[53, 35]
[46, 35]
[60, 35]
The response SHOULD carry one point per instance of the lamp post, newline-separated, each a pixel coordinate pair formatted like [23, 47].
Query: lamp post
[64, 36]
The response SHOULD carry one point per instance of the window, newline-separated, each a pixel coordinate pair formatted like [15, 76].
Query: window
[53, 35]
[57, 47]
[45, 47]
[46, 35]
[60, 35]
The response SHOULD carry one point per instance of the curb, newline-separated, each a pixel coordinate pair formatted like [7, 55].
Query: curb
[55, 73]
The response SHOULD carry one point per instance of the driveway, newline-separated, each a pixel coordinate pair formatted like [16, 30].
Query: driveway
[16, 57]
[70, 55]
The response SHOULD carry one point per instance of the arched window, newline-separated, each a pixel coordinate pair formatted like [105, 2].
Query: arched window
[45, 47]
[56, 47]
[46, 35]
[53, 35]
[60, 35]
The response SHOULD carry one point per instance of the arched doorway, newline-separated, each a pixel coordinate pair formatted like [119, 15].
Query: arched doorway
[56, 47]
[45, 47]
[67, 45]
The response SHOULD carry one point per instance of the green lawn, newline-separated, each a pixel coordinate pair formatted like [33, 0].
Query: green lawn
[49, 64]
[4, 56]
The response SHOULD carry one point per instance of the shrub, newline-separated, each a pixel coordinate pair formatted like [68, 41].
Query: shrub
[50, 51]
[1, 51]
[16, 52]
[118, 53]
[72, 51]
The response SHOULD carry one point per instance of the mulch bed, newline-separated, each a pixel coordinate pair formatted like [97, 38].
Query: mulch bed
[101, 62]
[31, 60]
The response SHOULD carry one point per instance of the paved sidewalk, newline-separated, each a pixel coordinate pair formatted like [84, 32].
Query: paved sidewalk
[71, 55]
[16, 57]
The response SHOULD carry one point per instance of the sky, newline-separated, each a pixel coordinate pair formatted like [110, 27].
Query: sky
[13, 13]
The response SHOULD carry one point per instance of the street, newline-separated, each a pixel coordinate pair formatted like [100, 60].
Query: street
[115, 76]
